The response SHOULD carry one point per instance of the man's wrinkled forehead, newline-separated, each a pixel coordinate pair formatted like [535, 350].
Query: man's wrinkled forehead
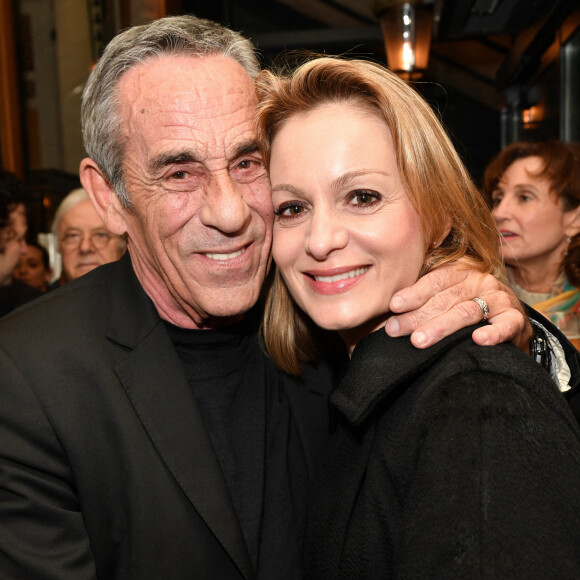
[213, 96]
[187, 84]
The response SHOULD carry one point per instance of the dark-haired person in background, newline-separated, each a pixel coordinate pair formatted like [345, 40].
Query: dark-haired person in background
[33, 267]
[13, 228]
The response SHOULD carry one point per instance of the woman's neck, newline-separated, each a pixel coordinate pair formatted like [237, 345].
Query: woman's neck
[538, 277]
[352, 336]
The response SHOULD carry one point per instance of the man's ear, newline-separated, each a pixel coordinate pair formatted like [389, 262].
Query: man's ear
[103, 197]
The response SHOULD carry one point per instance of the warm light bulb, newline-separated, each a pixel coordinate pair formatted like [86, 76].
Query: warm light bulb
[408, 58]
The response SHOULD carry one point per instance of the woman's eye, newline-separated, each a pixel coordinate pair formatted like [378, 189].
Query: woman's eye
[364, 197]
[289, 210]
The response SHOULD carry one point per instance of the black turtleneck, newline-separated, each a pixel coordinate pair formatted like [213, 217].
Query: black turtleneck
[249, 421]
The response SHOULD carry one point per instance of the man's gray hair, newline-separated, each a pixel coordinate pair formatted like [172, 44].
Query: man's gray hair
[176, 35]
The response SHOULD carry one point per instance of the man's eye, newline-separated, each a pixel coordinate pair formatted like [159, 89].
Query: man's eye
[179, 175]
[248, 170]
[253, 166]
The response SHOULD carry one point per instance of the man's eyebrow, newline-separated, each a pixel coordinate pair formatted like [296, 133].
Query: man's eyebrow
[244, 148]
[163, 160]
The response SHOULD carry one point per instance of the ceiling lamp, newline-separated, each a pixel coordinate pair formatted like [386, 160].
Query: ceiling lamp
[407, 28]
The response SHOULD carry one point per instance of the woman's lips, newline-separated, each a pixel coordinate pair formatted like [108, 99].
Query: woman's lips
[336, 280]
[507, 235]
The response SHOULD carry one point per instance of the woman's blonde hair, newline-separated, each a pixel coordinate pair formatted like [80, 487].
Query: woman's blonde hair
[449, 206]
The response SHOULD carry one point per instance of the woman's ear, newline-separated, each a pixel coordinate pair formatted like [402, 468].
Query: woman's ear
[441, 238]
[572, 222]
[103, 197]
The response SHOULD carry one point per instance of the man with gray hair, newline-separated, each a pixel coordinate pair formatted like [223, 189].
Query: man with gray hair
[143, 432]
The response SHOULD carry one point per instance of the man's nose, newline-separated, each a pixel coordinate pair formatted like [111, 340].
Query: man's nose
[86, 246]
[225, 206]
[326, 234]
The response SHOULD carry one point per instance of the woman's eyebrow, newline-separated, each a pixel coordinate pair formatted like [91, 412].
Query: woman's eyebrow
[342, 180]
[287, 187]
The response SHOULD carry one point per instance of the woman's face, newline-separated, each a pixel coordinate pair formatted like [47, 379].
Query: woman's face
[31, 270]
[531, 221]
[346, 236]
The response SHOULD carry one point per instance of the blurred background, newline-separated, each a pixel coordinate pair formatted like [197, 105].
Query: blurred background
[496, 71]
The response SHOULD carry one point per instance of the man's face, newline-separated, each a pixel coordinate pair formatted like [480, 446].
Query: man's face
[13, 243]
[200, 225]
[85, 242]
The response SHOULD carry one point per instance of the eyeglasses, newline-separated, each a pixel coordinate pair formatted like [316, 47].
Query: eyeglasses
[72, 240]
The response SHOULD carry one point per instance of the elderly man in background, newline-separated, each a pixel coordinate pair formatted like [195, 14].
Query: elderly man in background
[83, 240]
[153, 437]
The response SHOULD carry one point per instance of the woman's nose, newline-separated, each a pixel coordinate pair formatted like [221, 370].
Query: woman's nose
[327, 233]
[501, 210]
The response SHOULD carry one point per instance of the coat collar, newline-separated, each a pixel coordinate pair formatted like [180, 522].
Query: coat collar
[153, 378]
[381, 364]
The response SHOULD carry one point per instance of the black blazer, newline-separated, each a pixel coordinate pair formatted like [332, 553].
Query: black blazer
[106, 469]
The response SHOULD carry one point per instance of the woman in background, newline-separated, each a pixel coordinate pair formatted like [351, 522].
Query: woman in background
[534, 192]
[454, 461]
[33, 267]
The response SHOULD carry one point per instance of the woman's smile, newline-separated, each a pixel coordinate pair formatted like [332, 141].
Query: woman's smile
[335, 281]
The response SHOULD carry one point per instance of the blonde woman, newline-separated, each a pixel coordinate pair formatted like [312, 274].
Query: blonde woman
[451, 462]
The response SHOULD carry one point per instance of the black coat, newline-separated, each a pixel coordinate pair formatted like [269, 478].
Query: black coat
[106, 468]
[452, 462]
